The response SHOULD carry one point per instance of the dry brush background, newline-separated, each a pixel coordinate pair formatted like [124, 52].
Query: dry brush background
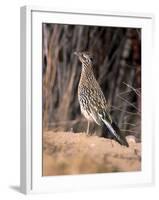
[117, 67]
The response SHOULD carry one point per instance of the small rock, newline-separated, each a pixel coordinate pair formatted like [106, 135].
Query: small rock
[131, 139]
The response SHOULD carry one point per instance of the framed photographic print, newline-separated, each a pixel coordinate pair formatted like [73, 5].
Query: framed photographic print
[86, 108]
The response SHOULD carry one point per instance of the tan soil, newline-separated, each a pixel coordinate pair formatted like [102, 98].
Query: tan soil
[70, 153]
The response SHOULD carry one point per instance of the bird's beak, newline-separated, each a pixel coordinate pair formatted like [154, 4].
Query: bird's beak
[78, 54]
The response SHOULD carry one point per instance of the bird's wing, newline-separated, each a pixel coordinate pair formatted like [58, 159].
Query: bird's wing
[113, 128]
[102, 116]
[99, 95]
[98, 111]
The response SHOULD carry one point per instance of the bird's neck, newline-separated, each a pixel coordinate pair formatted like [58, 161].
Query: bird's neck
[87, 72]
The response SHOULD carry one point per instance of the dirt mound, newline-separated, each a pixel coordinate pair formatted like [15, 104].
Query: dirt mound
[70, 153]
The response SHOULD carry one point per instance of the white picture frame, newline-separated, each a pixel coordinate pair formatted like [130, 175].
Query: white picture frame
[31, 101]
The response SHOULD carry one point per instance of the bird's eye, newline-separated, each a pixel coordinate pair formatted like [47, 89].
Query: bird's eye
[91, 59]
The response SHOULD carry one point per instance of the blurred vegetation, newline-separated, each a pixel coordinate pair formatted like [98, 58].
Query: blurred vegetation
[117, 67]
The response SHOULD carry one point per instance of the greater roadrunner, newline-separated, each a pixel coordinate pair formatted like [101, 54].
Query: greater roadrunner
[92, 100]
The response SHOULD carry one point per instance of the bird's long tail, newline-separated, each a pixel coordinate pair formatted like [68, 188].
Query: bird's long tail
[115, 131]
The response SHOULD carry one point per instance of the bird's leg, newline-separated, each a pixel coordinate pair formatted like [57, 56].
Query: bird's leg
[88, 128]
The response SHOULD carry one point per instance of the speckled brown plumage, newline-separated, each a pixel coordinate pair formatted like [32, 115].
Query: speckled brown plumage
[92, 100]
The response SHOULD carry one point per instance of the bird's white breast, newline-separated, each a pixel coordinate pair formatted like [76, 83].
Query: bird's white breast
[85, 113]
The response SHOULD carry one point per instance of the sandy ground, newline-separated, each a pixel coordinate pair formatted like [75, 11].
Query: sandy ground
[69, 153]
